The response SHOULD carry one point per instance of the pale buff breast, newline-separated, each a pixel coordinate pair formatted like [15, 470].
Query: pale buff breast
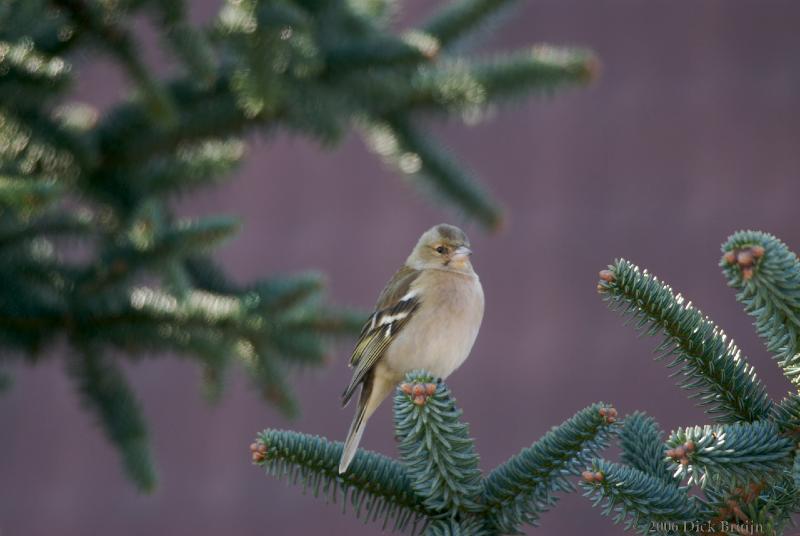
[440, 335]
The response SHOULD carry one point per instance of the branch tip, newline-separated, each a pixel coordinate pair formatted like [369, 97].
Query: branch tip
[592, 477]
[745, 257]
[607, 276]
[609, 413]
[258, 451]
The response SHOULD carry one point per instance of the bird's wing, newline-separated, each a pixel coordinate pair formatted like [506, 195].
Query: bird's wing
[396, 305]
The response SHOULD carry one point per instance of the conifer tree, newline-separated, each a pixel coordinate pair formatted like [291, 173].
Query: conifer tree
[90, 250]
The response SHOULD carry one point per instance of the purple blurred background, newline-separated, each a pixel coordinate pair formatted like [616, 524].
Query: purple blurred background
[691, 133]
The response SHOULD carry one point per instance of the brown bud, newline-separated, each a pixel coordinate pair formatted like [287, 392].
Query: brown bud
[689, 446]
[745, 258]
[406, 388]
[747, 273]
[758, 251]
[680, 452]
[671, 453]
[607, 276]
[430, 389]
[611, 420]
[262, 448]
[612, 412]
[598, 477]
[684, 461]
[588, 476]
[258, 457]
[253, 447]
[418, 389]
[419, 400]
[730, 257]
[603, 412]
[601, 287]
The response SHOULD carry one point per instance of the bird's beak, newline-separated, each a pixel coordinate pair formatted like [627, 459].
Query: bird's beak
[461, 253]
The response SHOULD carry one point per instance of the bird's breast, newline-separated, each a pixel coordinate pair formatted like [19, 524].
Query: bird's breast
[440, 335]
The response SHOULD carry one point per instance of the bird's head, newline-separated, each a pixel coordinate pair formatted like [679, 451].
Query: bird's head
[442, 246]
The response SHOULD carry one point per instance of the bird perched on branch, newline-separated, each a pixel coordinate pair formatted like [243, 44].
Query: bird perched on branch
[427, 318]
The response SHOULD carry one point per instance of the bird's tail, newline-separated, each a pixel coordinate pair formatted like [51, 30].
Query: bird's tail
[356, 428]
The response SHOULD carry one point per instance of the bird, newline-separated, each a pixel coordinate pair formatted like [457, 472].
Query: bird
[427, 317]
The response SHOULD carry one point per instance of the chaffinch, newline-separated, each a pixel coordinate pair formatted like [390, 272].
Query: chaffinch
[427, 317]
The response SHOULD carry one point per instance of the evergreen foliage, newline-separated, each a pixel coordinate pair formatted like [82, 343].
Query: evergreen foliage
[746, 466]
[742, 452]
[524, 487]
[740, 475]
[436, 487]
[769, 289]
[90, 249]
[439, 455]
[706, 359]
[638, 500]
[642, 447]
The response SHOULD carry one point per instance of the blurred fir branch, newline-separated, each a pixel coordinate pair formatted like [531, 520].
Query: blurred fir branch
[746, 467]
[436, 487]
[89, 248]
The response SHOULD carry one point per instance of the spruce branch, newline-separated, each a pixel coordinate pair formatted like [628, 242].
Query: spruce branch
[766, 275]
[93, 18]
[708, 361]
[350, 86]
[49, 224]
[467, 87]
[125, 136]
[641, 443]
[194, 164]
[377, 488]
[435, 446]
[637, 499]
[471, 526]
[29, 194]
[271, 379]
[787, 415]
[146, 249]
[400, 143]
[106, 392]
[437, 483]
[380, 51]
[460, 18]
[741, 452]
[769, 505]
[744, 466]
[27, 76]
[540, 68]
[188, 43]
[524, 487]
[42, 144]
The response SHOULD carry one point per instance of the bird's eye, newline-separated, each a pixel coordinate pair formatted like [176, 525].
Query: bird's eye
[441, 250]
